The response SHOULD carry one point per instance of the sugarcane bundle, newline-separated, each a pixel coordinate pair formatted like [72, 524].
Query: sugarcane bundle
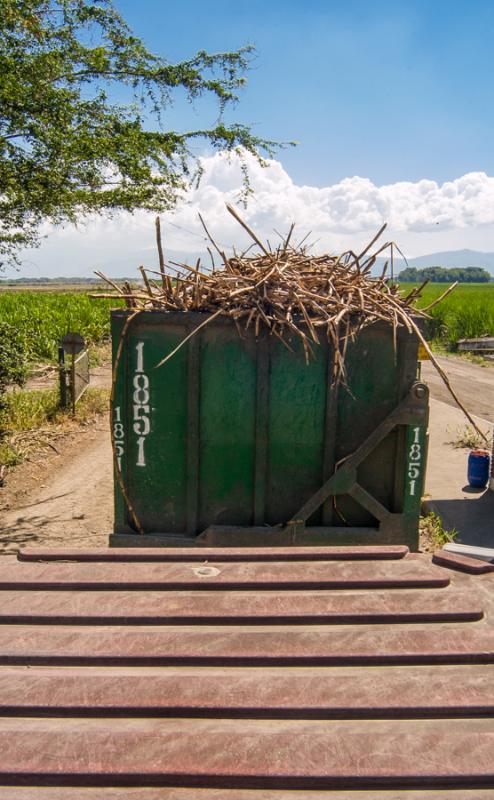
[287, 291]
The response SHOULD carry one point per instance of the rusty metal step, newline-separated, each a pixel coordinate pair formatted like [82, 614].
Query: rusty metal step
[351, 693]
[170, 703]
[248, 753]
[149, 554]
[463, 563]
[405, 573]
[178, 793]
[230, 608]
[237, 646]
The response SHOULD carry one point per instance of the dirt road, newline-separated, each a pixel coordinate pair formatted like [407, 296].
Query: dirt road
[63, 499]
[64, 496]
[68, 497]
[474, 384]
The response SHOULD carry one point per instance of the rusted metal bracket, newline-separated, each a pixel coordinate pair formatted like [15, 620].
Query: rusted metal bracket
[413, 409]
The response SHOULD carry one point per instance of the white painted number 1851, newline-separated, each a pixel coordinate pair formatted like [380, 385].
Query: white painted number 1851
[140, 407]
[118, 436]
[414, 460]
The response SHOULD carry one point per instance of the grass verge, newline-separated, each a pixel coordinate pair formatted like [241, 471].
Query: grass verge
[31, 421]
[467, 437]
[433, 532]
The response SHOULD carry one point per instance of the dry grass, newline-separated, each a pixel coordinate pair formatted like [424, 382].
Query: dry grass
[433, 535]
[32, 421]
[467, 437]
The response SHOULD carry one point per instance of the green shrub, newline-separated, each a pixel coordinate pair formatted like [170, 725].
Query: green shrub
[13, 357]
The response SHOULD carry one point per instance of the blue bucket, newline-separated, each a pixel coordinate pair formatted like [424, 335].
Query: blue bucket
[478, 469]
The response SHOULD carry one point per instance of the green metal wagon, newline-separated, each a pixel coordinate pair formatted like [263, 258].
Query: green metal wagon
[238, 441]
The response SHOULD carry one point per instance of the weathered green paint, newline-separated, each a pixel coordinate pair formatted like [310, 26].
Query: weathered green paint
[330, 434]
[296, 429]
[262, 431]
[193, 427]
[119, 404]
[414, 472]
[244, 433]
[227, 429]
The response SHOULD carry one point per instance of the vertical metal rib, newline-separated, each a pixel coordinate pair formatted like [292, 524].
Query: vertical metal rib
[330, 430]
[407, 346]
[193, 384]
[262, 432]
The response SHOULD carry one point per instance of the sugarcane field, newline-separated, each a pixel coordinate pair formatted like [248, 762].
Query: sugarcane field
[246, 401]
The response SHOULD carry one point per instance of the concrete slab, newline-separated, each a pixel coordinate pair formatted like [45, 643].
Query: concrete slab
[447, 492]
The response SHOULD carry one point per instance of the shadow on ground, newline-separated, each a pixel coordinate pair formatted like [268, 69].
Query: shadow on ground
[469, 516]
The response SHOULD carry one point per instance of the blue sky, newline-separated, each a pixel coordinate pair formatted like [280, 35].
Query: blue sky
[392, 106]
[386, 90]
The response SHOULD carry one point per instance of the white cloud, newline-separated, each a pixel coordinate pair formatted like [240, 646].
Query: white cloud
[421, 216]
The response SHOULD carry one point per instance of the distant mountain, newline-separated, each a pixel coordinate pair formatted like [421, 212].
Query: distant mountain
[71, 281]
[449, 258]
[455, 258]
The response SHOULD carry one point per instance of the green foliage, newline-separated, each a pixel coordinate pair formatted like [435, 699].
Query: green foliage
[42, 318]
[432, 526]
[466, 313]
[66, 148]
[445, 275]
[13, 356]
